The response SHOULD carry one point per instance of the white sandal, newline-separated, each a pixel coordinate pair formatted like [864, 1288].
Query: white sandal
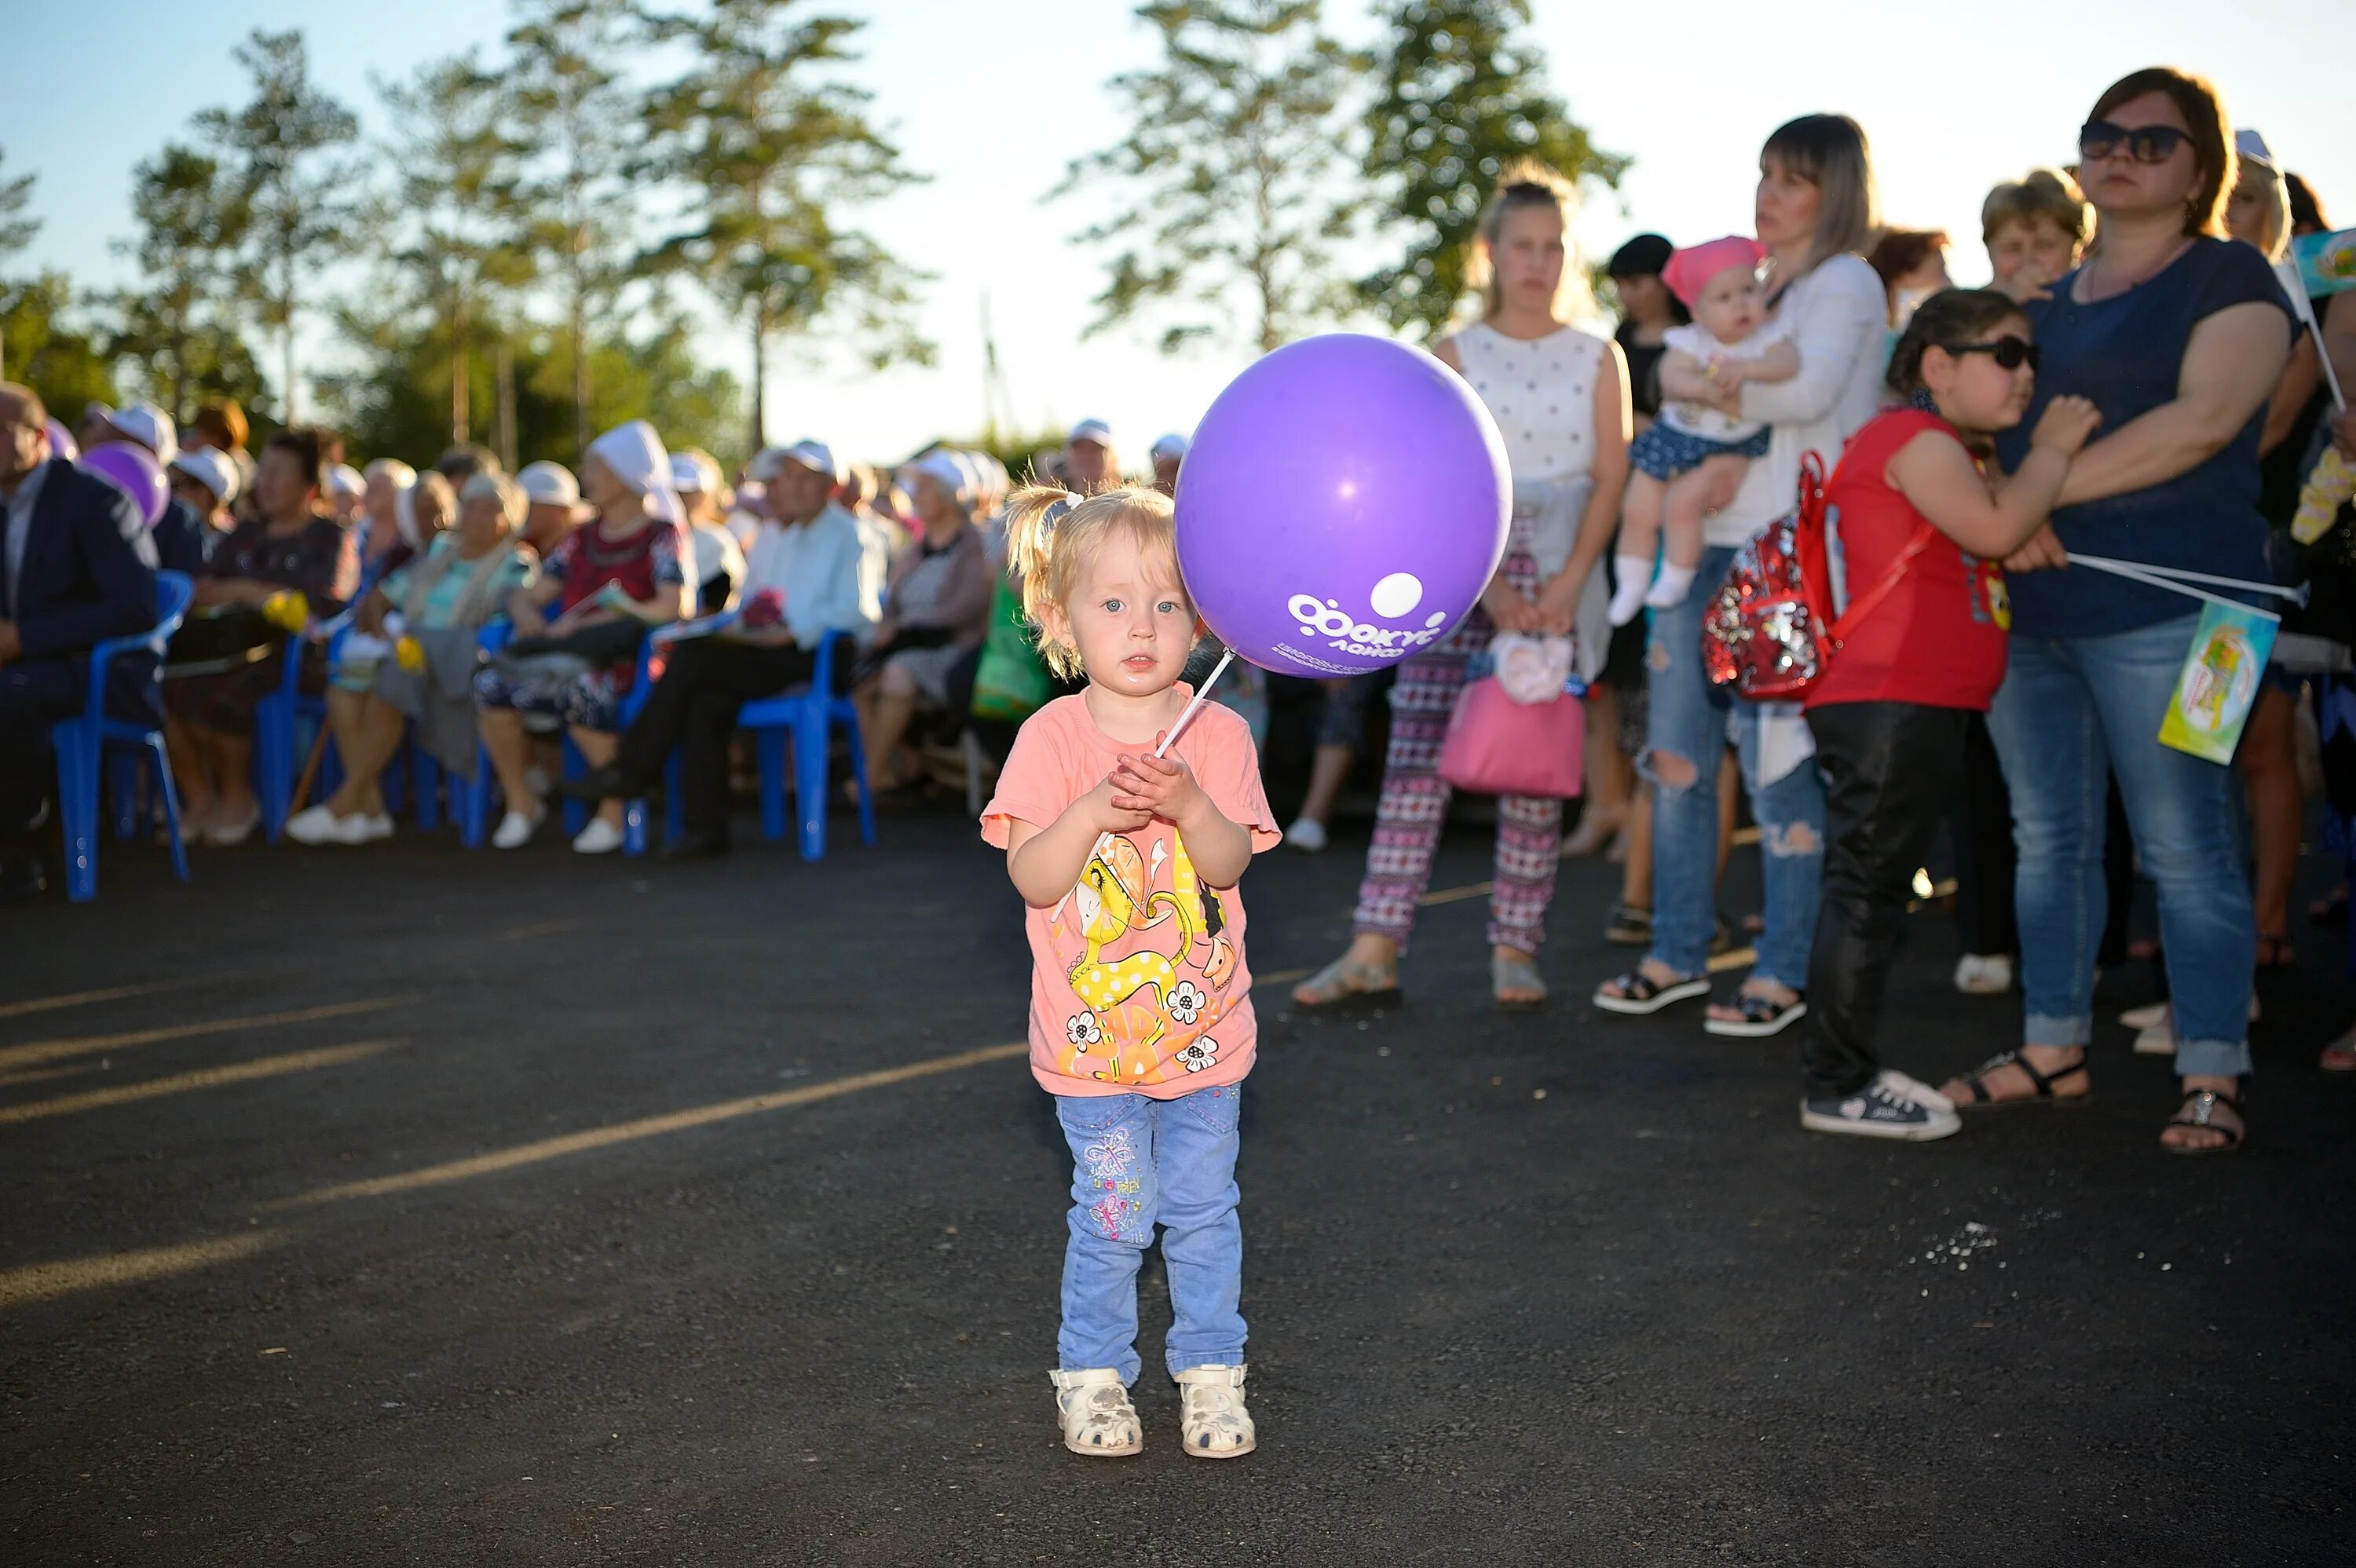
[1098, 1418]
[1213, 1423]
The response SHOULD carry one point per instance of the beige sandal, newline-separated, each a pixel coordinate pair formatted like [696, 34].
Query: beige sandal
[1343, 985]
[1518, 972]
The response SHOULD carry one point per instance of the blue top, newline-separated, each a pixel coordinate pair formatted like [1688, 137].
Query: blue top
[2125, 354]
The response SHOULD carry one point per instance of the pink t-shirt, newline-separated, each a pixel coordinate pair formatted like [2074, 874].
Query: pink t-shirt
[1138, 979]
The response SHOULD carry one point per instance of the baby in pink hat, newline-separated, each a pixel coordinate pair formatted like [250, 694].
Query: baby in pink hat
[1688, 463]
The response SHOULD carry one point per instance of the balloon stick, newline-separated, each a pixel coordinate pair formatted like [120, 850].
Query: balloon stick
[1226, 658]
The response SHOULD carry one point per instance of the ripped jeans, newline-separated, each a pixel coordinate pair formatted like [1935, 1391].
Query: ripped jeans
[1689, 723]
[1137, 1162]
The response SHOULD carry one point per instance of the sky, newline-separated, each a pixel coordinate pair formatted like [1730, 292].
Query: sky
[991, 102]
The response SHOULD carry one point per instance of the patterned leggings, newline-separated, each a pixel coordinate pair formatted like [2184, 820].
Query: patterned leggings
[1414, 802]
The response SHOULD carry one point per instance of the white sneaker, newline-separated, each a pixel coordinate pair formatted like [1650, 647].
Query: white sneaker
[600, 838]
[1984, 974]
[317, 825]
[1093, 1411]
[380, 827]
[2155, 1027]
[1306, 834]
[1892, 1107]
[516, 829]
[1213, 1421]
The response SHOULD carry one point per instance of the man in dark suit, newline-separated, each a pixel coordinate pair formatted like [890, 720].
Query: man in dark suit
[76, 567]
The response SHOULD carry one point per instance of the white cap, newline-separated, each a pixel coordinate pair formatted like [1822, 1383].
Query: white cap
[685, 476]
[344, 479]
[1169, 448]
[1090, 429]
[942, 467]
[816, 456]
[211, 469]
[550, 485]
[148, 425]
[2251, 148]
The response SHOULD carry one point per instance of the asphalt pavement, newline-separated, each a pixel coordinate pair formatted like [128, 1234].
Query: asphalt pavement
[408, 1205]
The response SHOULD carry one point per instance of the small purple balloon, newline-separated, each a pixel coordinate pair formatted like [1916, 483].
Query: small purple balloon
[1345, 501]
[62, 443]
[133, 469]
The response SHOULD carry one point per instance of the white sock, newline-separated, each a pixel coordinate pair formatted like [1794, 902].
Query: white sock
[1671, 588]
[1634, 574]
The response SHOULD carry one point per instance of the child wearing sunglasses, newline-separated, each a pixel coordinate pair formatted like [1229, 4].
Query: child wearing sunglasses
[1689, 461]
[1916, 520]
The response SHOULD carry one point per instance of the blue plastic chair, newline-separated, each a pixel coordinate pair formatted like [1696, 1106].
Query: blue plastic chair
[807, 717]
[81, 742]
[278, 731]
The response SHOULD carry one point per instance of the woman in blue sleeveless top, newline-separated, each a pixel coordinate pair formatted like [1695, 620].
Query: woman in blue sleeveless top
[2177, 336]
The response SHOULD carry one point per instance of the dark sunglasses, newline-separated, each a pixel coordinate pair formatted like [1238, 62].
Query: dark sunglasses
[2145, 143]
[2009, 352]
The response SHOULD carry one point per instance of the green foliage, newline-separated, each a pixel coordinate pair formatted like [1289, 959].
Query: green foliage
[297, 195]
[1224, 190]
[777, 145]
[16, 231]
[63, 365]
[1459, 96]
[176, 329]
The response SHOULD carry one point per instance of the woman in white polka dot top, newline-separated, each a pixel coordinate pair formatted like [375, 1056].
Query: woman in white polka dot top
[1561, 397]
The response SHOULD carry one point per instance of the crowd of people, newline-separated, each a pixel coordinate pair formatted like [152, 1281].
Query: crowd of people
[2135, 381]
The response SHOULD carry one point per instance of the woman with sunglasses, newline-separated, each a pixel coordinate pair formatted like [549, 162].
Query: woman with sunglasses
[2177, 336]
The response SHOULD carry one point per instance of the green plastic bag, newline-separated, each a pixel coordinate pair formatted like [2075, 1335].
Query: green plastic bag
[1011, 683]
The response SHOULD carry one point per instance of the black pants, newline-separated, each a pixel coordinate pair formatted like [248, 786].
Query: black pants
[704, 685]
[1984, 858]
[1889, 771]
[34, 694]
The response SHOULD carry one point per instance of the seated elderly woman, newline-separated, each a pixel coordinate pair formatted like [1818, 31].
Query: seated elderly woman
[430, 610]
[936, 611]
[608, 580]
[291, 543]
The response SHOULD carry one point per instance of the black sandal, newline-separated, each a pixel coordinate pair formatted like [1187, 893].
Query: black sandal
[2042, 1083]
[1640, 995]
[1761, 1017]
[1630, 926]
[2203, 1103]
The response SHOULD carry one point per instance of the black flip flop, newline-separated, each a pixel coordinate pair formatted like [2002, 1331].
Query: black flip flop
[1642, 996]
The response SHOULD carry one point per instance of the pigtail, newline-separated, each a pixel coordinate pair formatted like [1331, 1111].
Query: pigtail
[1032, 513]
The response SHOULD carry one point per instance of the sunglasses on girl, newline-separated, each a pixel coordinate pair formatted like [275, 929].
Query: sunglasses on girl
[2009, 352]
[2145, 143]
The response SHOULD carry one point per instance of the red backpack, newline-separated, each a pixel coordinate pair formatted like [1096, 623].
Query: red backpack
[1771, 628]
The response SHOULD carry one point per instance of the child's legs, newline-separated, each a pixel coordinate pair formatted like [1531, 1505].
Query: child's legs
[1202, 1237]
[1640, 517]
[1888, 770]
[1111, 1223]
[1693, 495]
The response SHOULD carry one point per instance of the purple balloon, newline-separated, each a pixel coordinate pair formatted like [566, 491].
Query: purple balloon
[62, 443]
[133, 469]
[1345, 501]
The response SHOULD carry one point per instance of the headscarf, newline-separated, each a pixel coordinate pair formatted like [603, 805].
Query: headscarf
[634, 454]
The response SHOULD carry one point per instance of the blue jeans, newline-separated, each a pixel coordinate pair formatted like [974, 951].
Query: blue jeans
[2068, 707]
[1689, 720]
[1137, 1162]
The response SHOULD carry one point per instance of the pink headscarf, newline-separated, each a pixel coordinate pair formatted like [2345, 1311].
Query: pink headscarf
[1694, 266]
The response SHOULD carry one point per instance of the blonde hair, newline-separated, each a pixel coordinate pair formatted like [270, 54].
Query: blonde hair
[2276, 240]
[1052, 535]
[513, 503]
[1830, 152]
[2046, 195]
[1523, 184]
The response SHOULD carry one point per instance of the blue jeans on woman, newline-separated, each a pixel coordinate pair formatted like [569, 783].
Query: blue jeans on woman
[1689, 722]
[2069, 708]
[1137, 1162]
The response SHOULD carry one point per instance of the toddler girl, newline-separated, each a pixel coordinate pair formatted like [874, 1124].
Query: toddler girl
[1688, 462]
[1141, 1022]
[1915, 522]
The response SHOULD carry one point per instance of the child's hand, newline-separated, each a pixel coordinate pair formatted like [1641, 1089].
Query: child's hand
[1161, 786]
[2066, 425]
[1107, 815]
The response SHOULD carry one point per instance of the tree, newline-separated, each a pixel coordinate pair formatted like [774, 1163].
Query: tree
[16, 231]
[1459, 97]
[456, 170]
[178, 323]
[1225, 184]
[66, 366]
[776, 149]
[299, 197]
[572, 115]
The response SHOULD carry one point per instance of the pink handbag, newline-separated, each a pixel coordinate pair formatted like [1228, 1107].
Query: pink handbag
[1498, 746]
